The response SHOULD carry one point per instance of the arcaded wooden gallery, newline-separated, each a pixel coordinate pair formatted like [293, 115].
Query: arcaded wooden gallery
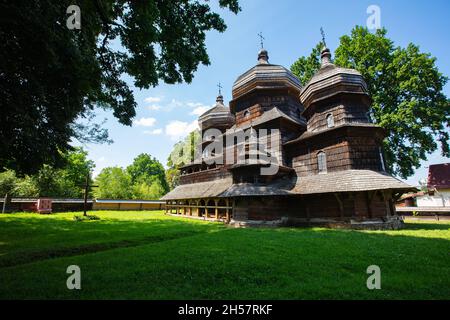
[331, 169]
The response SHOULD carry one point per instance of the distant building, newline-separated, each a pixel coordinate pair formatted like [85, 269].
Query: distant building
[438, 187]
[330, 164]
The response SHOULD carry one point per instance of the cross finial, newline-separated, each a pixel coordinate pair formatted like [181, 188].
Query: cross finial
[261, 39]
[220, 88]
[323, 37]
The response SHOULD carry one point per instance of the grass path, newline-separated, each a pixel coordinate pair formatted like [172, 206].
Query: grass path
[146, 255]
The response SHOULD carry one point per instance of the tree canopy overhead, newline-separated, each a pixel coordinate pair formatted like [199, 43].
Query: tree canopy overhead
[51, 76]
[406, 87]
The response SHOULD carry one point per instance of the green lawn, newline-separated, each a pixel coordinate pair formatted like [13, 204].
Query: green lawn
[147, 255]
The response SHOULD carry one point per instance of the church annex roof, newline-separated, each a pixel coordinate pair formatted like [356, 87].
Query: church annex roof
[339, 181]
[280, 187]
[348, 181]
[208, 189]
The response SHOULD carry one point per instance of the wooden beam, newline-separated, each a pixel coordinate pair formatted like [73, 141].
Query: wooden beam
[216, 210]
[227, 213]
[369, 197]
[308, 213]
[386, 196]
[341, 205]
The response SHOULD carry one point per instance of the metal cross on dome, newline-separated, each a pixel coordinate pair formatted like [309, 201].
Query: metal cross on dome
[323, 36]
[220, 88]
[261, 39]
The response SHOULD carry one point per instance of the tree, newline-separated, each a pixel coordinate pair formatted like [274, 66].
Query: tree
[51, 182]
[72, 177]
[183, 152]
[68, 181]
[406, 88]
[26, 187]
[173, 177]
[305, 67]
[52, 77]
[7, 182]
[113, 183]
[147, 170]
[145, 191]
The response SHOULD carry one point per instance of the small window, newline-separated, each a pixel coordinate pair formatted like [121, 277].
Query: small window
[246, 114]
[330, 121]
[322, 162]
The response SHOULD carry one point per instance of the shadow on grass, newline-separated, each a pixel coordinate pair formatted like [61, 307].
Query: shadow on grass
[29, 239]
[90, 248]
[427, 226]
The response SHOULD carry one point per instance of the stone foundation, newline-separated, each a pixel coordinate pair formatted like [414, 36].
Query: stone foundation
[391, 223]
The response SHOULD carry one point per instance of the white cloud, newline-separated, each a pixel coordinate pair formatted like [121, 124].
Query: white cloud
[178, 129]
[154, 132]
[145, 122]
[200, 110]
[154, 107]
[193, 104]
[152, 99]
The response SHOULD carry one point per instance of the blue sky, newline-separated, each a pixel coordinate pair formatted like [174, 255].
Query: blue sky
[291, 28]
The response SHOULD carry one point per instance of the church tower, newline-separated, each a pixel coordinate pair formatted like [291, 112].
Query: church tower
[339, 133]
[266, 97]
[339, 160]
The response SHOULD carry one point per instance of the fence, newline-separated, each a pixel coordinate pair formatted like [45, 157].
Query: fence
[64, 205]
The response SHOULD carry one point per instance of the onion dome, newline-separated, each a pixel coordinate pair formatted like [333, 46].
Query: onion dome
[217, 117]
[331, 80]
[264, 76]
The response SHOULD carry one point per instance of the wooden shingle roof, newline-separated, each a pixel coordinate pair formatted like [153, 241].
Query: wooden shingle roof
[209, 189]
[279, 188]
[348, 181]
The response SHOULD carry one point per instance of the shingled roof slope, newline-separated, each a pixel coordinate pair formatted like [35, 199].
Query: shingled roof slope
[278, 188]
[348, 181]
[207, 189]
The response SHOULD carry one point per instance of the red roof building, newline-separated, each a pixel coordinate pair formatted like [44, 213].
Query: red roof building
[439, 176]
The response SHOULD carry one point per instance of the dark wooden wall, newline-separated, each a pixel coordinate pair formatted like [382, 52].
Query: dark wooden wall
[356, 206]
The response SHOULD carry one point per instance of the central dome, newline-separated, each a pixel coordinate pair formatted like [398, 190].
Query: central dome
[265, 76]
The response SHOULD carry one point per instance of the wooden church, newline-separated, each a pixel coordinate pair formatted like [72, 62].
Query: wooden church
[330, 164]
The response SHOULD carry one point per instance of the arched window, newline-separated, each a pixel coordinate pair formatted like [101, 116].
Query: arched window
[246, 114]
[330, 121]
[322, 162]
